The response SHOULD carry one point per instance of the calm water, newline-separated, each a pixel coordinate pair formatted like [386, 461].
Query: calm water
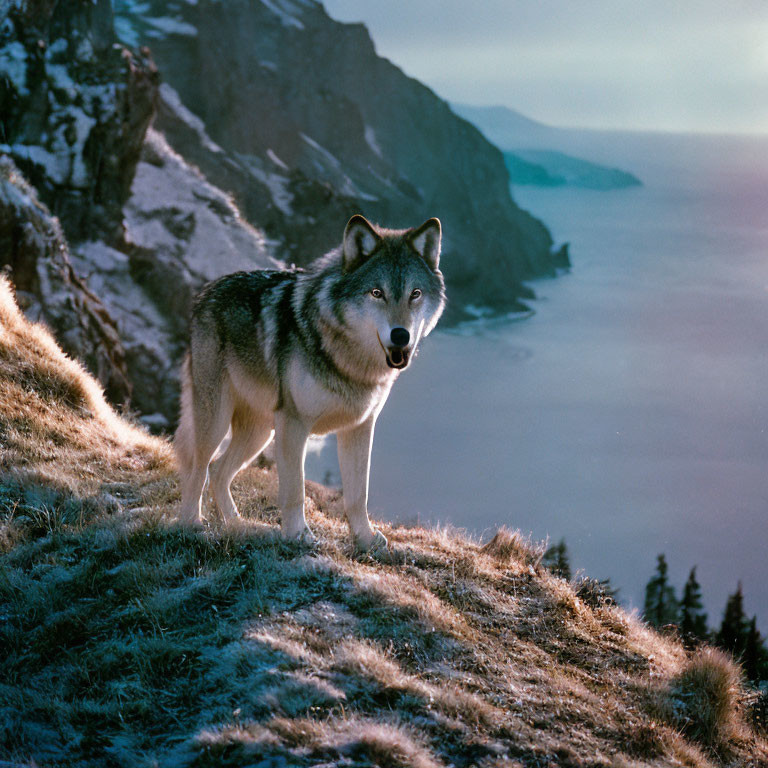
[630, 413]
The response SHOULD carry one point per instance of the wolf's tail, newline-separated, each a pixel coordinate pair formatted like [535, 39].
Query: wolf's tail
[184, 439]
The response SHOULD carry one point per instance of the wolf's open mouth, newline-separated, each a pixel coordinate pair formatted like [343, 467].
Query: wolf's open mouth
[398, 358]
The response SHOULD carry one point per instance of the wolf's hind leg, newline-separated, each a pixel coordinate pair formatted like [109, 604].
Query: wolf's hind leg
[184, 439]
[251, 433]
[290, 449]
[211, 413]
[354, 448]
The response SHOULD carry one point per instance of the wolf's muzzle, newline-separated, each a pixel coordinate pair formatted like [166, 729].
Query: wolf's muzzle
[398, 355]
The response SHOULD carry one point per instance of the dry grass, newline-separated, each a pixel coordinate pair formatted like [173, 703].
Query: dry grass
[58, 436]
[512, 547]
[706, 701]
[129, 642]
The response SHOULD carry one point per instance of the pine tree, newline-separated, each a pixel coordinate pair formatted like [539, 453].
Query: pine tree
[661, 606]
[558, 561]
[733, 631]
[755, 659]
[693, 620]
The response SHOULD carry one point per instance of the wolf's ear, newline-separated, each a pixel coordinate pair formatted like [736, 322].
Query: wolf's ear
[360, 240]
[425, 240]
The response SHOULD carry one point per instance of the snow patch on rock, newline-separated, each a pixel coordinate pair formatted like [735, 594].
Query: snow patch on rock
[180, 232]
[328, 165]
[276, 183]
[170, 26]
[173, 101]
[174, 211]
[276, 160]
[285, 11]
[370, 140]
[13, 65]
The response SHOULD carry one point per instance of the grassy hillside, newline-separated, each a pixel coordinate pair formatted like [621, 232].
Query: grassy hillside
[126, 641]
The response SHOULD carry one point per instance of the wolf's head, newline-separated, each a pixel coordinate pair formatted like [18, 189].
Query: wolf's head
[394, 292]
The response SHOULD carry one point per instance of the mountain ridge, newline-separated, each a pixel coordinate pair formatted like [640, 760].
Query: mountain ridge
[543, 155]
[338, 117]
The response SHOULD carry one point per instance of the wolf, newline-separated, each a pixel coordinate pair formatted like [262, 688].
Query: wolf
[291, 353]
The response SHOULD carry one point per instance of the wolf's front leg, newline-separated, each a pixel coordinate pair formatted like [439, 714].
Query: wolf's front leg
[355, 463]
[290, 448]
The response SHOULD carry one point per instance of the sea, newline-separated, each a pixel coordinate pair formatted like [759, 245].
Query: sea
[628, 414]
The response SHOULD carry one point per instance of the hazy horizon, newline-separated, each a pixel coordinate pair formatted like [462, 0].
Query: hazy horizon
[610, 65]
[614, 129]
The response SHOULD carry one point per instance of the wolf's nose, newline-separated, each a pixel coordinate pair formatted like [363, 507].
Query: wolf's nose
[400, 337]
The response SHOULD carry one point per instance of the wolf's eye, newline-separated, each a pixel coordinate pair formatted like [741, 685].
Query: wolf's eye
[415, 294]
[377, 293]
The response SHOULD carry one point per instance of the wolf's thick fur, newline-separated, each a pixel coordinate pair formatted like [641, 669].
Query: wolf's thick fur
[296, 353]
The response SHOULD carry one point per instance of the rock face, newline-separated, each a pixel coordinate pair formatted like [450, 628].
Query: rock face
[180, 232]
[49, 288]
[75, 107]
[298, 116]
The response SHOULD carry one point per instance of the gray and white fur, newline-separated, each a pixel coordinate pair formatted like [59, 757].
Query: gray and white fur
[294, 353]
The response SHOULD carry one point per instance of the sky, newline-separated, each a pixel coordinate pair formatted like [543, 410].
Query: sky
[670, 65]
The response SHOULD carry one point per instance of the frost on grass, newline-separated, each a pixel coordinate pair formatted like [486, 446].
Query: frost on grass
[705, 699]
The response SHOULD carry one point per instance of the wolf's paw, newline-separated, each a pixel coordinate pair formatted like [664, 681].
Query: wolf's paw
[302, 536]
[377, 545]
[232, 518]
[190, 523]
[230, 513]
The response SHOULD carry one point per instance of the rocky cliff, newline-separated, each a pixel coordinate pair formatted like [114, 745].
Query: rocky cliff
[75, 107]
[269, 108]
[49, 288]
[179, 231]
[319, 126]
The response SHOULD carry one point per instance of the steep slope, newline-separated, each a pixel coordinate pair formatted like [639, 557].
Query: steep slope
[56, 428]
[127, 641]
[293, 101]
